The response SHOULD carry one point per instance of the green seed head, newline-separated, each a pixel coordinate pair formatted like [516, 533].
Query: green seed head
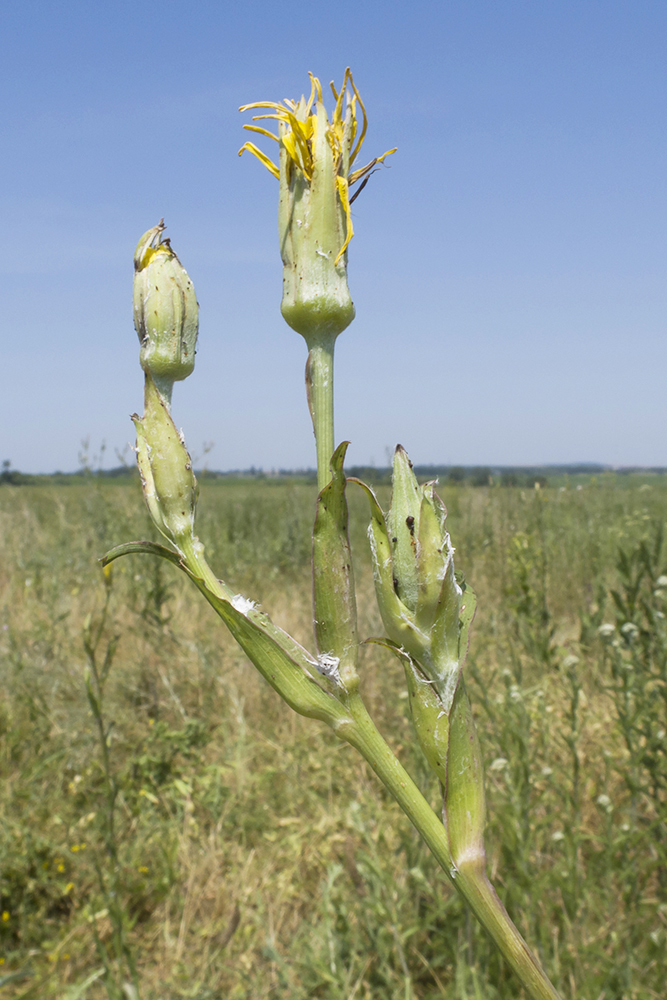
[166, 314]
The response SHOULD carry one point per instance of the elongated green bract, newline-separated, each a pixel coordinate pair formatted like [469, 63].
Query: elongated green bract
[403, 527]
[278, 657]
[465, 805]
[333, 582]
[169, 484]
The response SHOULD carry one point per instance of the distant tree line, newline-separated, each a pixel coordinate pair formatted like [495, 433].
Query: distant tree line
[468, 475]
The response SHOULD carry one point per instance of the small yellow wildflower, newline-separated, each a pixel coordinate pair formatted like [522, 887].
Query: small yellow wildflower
[5, 916]
[142, 870]
[297, 137]
[315, 173]
[68, 888]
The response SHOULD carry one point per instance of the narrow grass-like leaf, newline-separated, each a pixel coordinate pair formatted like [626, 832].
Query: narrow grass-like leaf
[144, 548]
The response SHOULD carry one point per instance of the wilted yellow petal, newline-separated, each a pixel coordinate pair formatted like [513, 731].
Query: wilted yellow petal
[344, 195]
[345, 134]
[262, 131]
[262, 157]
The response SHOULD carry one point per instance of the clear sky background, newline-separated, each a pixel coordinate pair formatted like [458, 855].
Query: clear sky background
[509, 269]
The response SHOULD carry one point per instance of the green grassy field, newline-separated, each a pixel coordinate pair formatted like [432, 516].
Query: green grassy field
[257, 856]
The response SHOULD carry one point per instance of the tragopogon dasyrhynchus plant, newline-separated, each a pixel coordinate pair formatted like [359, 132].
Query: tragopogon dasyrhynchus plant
[426, 613]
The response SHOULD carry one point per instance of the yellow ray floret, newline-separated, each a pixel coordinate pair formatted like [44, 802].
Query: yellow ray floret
[297, 131]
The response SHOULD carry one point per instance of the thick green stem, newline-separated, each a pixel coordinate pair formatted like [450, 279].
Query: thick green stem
[319, 386]
[473, 885]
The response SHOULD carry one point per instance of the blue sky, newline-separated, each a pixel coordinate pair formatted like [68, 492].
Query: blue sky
[508, 270]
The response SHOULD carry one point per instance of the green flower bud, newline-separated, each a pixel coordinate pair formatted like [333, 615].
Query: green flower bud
[169, 484]
[314, 217]
[166, 313]
[311, 225]
[424, 609]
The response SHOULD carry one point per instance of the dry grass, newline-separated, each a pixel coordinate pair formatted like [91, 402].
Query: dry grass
[259, 857]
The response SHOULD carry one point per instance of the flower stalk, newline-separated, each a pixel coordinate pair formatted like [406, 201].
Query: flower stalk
[316, 170]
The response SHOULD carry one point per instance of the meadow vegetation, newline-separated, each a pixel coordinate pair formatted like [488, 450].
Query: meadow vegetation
[228, 848]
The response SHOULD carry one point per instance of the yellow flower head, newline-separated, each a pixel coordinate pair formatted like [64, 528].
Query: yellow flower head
[297, 138]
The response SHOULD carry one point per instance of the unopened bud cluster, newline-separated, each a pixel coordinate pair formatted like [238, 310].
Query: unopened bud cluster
[427, 614]
[423, 608]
